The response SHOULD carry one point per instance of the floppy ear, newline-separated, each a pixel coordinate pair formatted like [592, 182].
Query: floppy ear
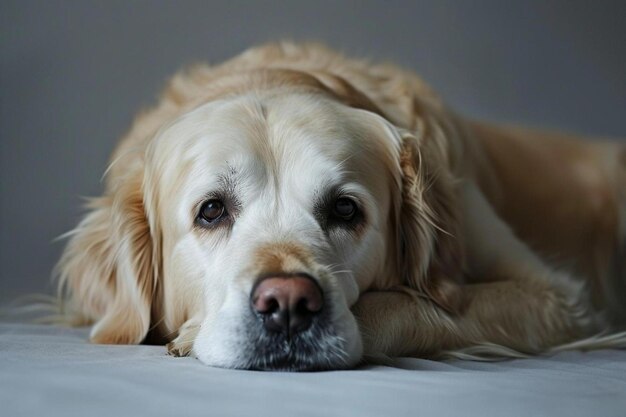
[431, 247]
[109, 266]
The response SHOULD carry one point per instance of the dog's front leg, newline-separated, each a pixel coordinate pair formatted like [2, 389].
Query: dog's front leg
[399, 322]
[525, 316]
[515, 300]
[539, 306]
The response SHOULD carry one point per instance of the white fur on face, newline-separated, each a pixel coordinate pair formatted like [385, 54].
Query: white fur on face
[272, 160]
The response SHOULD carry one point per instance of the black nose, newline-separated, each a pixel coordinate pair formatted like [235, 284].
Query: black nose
[287, 304]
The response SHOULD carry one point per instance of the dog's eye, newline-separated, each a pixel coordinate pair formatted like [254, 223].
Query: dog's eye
[344, 208]
[212, 211]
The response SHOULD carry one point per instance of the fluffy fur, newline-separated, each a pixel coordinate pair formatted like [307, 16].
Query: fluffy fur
[474, 239]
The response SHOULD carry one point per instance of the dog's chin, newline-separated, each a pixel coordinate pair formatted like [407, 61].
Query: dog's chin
[324, 346]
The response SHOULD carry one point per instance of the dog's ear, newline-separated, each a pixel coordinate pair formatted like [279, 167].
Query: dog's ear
[431, 254]
[108, 270]
[431, 247]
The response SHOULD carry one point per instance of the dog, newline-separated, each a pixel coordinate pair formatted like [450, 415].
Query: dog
[295, 209]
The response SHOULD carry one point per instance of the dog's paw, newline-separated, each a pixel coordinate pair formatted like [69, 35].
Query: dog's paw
[179, 348]
[183, 344]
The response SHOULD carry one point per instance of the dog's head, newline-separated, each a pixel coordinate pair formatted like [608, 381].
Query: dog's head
[261, 213]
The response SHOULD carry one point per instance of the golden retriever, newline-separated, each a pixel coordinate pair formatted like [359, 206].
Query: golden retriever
[294, 209]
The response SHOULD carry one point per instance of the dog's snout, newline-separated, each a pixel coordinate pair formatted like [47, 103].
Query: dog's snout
[287, 304]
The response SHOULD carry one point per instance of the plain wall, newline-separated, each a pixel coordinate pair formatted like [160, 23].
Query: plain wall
[73, 74]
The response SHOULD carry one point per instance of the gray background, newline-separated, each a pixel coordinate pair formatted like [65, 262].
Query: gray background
[72, 74]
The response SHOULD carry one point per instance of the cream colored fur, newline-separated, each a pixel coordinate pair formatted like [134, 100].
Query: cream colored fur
[479, 240]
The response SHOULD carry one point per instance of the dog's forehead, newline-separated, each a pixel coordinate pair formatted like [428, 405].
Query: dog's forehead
[299, 138]
[286, 128]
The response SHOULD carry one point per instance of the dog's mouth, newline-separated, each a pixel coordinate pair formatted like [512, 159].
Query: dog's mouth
[294, 357]
[315, 349]
[325, 345]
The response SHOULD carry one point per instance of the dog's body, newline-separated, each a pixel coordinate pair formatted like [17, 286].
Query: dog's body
[401, 228]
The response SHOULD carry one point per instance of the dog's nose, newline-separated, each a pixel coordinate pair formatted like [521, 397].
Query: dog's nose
[287, 304]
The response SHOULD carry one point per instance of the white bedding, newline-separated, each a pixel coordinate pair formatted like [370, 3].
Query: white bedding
[51, 371]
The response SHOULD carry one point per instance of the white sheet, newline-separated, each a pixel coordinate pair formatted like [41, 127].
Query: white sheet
[51, 371]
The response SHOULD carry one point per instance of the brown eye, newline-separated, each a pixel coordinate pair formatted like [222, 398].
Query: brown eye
[344, 208]
[212, 211]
